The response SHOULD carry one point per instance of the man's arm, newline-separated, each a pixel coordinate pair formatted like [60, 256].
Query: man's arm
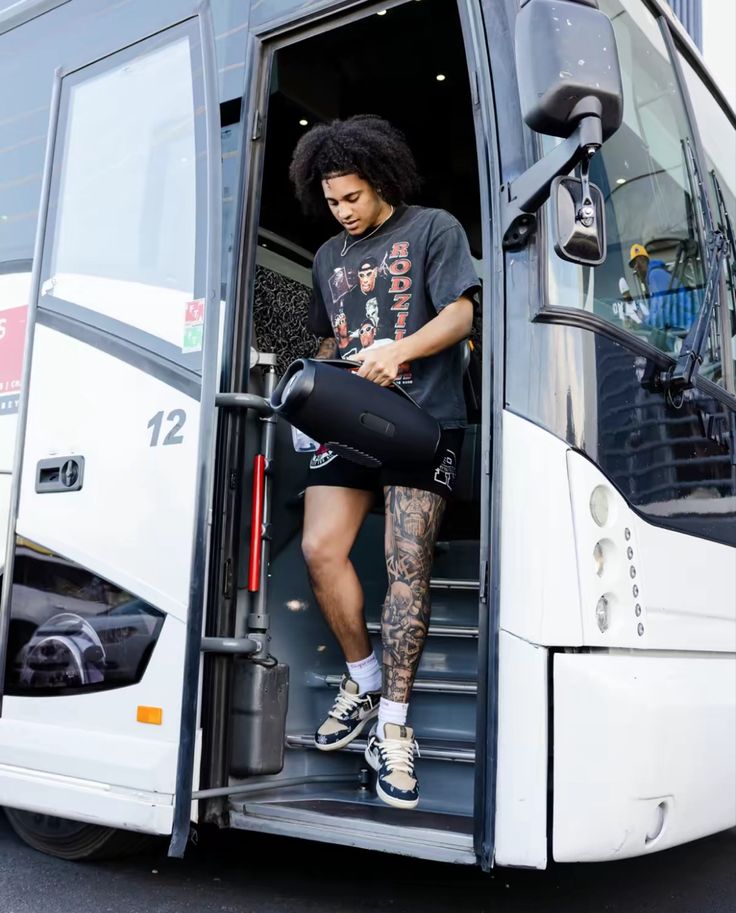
[327, 348]
[453, 323]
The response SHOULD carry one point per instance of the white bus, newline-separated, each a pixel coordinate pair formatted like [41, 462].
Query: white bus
[576, 700]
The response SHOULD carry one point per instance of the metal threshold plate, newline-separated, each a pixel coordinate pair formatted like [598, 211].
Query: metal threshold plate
[423, 835]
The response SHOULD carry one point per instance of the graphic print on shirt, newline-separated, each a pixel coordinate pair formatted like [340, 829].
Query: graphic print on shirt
[371, 302]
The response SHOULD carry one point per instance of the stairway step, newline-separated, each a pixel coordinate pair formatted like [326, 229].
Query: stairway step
[438, 750]
[457, 558]
[438, 686]
[374, 627]
[358, 818]
[453, 583]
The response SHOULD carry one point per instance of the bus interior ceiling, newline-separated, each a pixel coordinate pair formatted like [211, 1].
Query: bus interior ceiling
[363, 67]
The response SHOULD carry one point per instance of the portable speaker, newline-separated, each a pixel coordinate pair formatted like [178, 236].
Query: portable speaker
[360, 420]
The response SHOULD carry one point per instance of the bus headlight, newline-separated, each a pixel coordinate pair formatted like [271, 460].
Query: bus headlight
[603, 613]
[600, 505]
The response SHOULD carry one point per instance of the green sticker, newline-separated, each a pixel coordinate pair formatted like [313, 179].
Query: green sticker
[193, 338]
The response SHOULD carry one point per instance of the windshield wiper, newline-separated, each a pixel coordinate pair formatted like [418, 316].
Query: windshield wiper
[681, 376]
[727, 229]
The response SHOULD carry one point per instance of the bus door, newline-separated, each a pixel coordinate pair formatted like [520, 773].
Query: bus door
[104, 584]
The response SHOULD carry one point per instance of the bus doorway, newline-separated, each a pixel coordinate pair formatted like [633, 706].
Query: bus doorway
[355, 68]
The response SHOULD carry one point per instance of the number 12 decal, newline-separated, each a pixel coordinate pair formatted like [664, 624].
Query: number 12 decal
[177, 417]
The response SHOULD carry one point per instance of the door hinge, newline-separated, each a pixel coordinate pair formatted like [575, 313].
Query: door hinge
[257, 126]
[484, 580]
[227, 579]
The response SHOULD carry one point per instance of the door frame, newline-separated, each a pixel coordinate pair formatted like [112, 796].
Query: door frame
[263, 44]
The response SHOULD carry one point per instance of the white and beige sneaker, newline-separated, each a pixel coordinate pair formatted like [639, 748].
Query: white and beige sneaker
[393, 759]
[349, 714]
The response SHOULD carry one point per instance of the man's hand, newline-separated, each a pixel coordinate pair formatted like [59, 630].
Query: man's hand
[381, 365]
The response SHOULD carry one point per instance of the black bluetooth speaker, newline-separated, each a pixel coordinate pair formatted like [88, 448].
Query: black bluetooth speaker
[358, 419]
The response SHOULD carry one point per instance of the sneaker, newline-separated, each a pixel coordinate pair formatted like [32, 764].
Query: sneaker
[349, 714]
[393, 759]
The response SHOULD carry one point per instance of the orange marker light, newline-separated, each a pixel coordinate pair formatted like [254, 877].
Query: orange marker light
[150, 715]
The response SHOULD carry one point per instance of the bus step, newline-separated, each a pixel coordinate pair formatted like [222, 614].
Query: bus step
[438, 750]
[350, 817]
[452, 583]
[435, 685]
[374, 627]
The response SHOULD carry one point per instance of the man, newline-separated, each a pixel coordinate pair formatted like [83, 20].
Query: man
[363, 171]
[670, 305]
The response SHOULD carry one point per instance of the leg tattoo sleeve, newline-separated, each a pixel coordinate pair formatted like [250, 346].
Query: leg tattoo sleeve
[412, 523]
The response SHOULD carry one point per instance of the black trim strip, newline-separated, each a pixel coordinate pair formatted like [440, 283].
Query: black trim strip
[12, 267]
[584, 320]
[149, 342]
[128, 352]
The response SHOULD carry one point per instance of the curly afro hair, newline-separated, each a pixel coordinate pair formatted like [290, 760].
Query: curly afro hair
[365, 145]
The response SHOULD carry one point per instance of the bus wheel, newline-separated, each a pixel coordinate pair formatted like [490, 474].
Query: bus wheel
[75, 840]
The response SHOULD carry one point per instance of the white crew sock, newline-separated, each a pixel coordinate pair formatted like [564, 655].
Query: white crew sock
[366, 673]
[390, 712]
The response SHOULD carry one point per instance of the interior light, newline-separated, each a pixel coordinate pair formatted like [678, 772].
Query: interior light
[440, 77]
[381, 12]
[620, 180]
[303, 122]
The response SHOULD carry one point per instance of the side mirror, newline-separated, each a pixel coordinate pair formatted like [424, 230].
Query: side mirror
[567, 66]
[570, 86]
[578, 221]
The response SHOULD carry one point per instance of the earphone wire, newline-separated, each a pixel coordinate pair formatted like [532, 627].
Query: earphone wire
[346, 248]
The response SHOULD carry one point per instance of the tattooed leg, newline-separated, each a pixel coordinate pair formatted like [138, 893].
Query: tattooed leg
[412, 523]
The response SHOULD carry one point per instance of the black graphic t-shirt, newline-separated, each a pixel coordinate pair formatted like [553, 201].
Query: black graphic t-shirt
[387, 285]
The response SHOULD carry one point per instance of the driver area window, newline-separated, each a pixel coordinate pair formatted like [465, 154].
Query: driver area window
[652, 282]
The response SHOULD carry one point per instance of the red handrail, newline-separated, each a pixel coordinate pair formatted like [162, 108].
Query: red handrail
[256, 522]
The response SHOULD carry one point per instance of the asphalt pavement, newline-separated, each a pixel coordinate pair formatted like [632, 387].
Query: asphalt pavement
[231, 872]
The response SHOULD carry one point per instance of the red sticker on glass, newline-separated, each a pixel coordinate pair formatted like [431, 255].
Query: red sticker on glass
[195, 311]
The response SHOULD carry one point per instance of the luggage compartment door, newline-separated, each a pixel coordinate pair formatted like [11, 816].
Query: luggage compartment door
[106, 565]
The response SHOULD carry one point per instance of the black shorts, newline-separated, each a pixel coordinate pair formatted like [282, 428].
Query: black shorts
[439, 476]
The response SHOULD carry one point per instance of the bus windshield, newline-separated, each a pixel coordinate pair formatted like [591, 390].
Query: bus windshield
[651, 283]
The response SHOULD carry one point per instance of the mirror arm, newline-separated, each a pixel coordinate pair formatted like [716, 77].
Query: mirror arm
[522, 197]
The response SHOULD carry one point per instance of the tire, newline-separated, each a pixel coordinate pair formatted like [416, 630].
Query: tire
[75, 840]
